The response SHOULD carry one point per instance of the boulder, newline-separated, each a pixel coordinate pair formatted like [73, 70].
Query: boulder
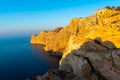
[93, 58]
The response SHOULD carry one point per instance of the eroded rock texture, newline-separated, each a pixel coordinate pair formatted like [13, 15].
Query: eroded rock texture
[94, 60]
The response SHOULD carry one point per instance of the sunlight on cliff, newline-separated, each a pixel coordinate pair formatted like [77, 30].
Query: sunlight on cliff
[104, 23]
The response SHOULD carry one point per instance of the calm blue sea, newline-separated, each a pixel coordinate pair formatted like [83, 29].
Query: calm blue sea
[20, 60]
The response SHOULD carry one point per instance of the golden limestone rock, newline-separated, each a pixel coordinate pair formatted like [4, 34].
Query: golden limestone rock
[104, 24]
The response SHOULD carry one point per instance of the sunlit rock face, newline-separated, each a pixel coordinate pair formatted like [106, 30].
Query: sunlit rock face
[104, 23]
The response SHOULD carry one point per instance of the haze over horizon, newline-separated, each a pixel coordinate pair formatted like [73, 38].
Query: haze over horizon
[27, 16]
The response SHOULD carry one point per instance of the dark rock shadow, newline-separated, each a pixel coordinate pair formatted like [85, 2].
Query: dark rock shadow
[94, 60]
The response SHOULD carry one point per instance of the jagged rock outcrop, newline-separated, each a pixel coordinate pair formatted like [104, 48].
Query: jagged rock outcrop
[94, 57]
[53, 74]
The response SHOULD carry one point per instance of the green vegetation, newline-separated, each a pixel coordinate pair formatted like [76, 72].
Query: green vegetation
[113, 7]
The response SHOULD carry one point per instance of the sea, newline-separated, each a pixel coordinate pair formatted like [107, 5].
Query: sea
[20, 60]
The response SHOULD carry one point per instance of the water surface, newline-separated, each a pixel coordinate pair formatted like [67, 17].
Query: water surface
[20, 60]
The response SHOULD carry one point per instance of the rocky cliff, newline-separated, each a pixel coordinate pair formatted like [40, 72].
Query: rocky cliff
[90, 47]
[104, 23]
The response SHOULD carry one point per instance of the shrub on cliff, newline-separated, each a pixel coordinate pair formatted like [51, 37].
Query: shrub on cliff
[113, 7]
[57, 29]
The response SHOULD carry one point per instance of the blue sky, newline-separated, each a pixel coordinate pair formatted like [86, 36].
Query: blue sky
[32, 16]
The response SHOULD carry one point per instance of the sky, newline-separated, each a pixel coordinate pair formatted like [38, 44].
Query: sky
[19, 17]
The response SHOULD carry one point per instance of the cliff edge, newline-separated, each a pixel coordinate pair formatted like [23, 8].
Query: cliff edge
[90, 47]
[104, 23]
